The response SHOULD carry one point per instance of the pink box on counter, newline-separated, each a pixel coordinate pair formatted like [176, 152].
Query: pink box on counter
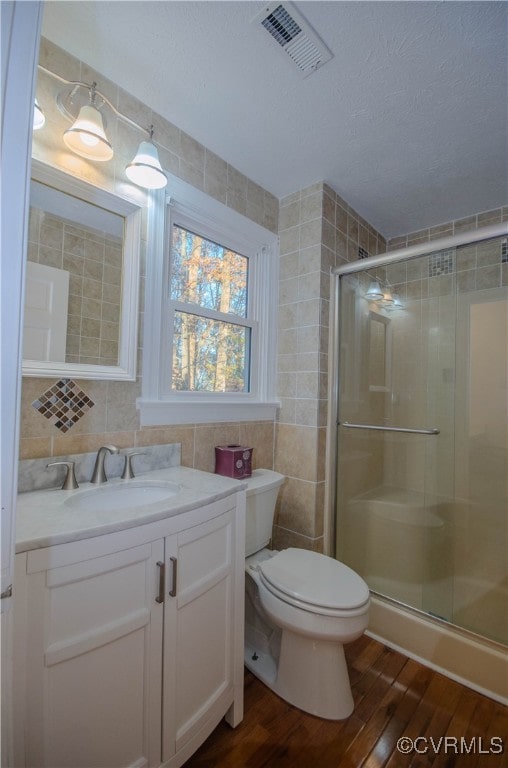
[233, 461]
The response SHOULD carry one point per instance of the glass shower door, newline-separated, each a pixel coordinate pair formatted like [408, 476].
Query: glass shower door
[395, 453]
[422, 469]
[481, 473]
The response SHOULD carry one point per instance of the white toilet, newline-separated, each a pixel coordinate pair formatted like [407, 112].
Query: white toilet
[300, 607]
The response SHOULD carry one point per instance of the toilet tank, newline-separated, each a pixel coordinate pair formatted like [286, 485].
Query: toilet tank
[262, 491]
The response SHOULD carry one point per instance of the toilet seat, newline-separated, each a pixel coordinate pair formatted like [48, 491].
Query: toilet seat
[314, 582]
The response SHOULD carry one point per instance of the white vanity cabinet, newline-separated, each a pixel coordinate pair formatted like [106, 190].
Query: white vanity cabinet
[90, 645]
[129, 646]
[198, 635]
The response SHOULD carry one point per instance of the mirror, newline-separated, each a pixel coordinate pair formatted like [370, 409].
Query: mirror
[380, 353]
[82, 280]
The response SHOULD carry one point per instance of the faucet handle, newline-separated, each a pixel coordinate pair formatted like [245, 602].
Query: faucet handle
[70, 482]
[128, 472]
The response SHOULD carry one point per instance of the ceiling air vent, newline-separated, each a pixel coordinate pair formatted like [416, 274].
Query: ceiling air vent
[294, 36]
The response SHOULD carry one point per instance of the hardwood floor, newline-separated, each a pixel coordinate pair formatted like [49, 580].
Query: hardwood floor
[394, 697]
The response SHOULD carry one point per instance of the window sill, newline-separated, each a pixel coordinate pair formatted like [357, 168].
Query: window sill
[158, 413]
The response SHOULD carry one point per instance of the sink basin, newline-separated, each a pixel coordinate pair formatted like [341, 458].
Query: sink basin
[122, 496]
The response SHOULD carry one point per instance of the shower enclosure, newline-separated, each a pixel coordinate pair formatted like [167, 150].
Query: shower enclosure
[421, 501]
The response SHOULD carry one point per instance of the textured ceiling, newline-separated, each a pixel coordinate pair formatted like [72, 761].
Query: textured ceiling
[407, 122]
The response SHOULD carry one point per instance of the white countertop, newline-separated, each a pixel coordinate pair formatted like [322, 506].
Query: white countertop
[44, 518]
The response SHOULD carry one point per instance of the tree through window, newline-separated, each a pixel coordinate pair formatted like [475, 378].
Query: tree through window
[211, 331]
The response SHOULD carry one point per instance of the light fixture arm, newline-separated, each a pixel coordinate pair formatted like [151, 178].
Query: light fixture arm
[93, 94]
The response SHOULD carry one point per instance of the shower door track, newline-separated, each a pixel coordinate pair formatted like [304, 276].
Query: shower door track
[383, 428]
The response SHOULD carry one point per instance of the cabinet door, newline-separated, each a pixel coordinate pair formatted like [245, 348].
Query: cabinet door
[94, 662]
[198, 648]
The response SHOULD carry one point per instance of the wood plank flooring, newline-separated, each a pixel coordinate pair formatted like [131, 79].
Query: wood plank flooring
[394, 697]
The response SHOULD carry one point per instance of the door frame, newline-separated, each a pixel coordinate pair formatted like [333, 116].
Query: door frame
[20, 30]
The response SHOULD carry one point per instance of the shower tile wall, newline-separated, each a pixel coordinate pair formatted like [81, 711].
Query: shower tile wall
[318, 230]
[428, 286]
[459, 300]
[114, 418]
[484, 265]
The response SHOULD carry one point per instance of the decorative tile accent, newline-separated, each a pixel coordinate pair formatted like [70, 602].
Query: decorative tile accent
[63, 404]
[442, 263]
[362, 253]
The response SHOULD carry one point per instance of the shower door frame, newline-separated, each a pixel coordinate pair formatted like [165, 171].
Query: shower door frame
[363, 265]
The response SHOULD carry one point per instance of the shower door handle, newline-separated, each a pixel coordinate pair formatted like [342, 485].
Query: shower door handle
[383, 428]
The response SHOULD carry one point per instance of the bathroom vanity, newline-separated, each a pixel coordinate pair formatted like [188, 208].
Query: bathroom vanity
[128, 620]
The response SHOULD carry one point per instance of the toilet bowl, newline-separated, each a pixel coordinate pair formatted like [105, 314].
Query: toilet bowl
[300, 608]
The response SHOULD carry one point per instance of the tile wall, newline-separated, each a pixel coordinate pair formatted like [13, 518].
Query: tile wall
[318, 231]
[438, 291]
[113, 418]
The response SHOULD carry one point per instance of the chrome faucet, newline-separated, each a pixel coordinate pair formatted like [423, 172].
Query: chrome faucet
[99, 475]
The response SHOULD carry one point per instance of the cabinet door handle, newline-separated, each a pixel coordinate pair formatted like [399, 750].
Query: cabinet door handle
[174, 563]
[162, 573]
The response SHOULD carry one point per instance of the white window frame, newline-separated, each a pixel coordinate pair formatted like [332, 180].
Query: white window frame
[196, 211]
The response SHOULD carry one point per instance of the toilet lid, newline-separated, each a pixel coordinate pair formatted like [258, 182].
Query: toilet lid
[315, 579]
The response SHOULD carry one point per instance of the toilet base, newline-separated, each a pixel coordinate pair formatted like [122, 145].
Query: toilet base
[311, 675]
[299, 655]
[261, 664]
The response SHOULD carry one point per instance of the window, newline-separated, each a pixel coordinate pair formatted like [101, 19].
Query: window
[210, 309]
[208, 306]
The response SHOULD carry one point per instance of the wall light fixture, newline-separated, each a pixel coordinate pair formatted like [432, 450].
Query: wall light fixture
[397, 303]
[383, 296]
[145, 170]
[87, 137]
[374, 292]
[85, 106]
[387, 295]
